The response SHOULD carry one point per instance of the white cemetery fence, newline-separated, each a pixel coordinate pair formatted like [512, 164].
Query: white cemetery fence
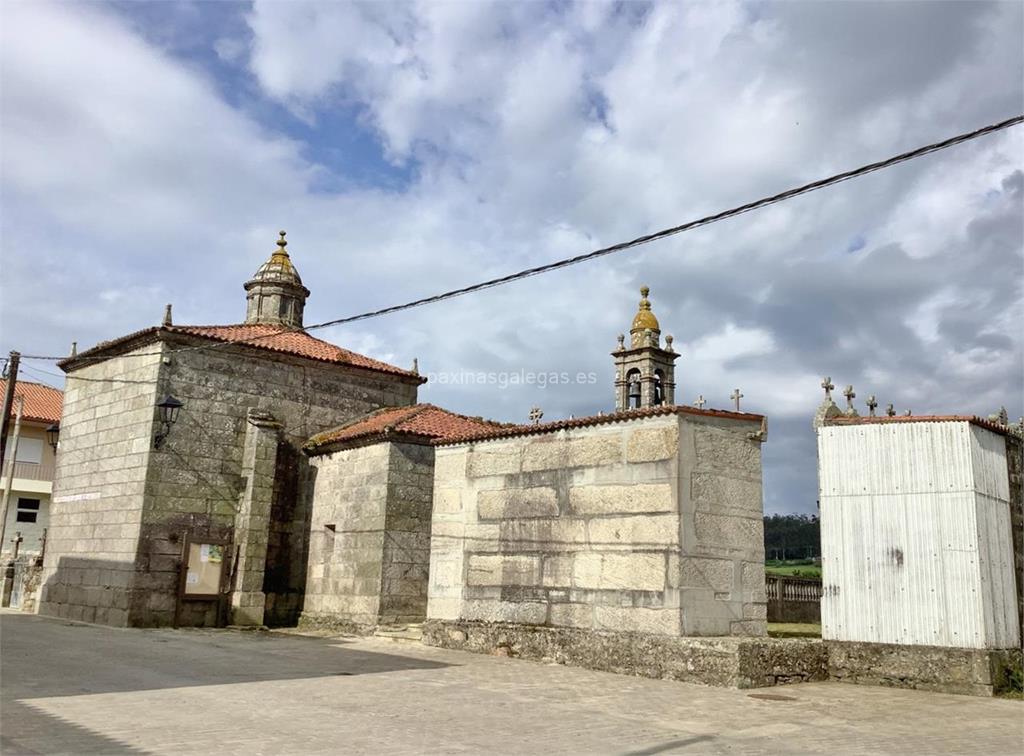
[793, 599]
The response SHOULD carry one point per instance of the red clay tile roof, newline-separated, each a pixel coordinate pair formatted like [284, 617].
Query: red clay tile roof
[261, 336]
[42, 403]
[421, 420]
[509, 431]
[973, 419]
[290, 342]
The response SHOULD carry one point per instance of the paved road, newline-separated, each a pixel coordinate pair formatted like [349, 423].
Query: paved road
[74, 688]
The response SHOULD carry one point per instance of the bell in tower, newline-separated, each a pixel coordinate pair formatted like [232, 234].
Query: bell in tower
[644, 372]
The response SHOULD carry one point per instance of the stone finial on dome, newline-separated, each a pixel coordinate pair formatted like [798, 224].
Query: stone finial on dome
[280, 255]
[644, 320]
[275, 293]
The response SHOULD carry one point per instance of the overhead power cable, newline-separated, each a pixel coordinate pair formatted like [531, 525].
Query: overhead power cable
[773, 199]
[39, 374]
[688, 226]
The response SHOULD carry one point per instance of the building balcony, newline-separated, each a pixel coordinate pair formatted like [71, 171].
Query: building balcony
[34, 470]
[31, 477]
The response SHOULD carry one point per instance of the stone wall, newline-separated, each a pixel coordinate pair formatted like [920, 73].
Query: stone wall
[722, 527]
[121, 508]
[31, 580]
[369, 536]
[406, 561]
[648, 525]
[969, 671]
[197, 479]
[724, 662]
[347, 537]
[96, 507]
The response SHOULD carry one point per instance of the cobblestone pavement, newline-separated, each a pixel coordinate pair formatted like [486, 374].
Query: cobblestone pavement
[74, 688]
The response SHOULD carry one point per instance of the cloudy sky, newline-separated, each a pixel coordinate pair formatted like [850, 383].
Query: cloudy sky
[151, 151]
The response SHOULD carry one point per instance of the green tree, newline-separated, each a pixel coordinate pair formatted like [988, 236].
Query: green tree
[792, 536]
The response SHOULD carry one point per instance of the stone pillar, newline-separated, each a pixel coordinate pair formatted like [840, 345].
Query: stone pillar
[647, 386]
[621, 389]
[252, 521]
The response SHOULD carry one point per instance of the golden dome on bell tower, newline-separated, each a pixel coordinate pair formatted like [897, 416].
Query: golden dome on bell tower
[644, 319]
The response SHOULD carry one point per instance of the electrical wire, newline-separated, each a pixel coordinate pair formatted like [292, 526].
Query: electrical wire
[788, 194]
[70, 377]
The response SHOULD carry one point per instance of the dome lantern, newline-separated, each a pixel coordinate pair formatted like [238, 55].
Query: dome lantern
[275, 293]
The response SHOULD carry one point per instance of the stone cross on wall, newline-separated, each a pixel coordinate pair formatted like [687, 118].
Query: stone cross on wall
[828, 386]
[850, 396]
[872, 405]
[736, 396]
[536, 414]
[699, 404]
[17, 543]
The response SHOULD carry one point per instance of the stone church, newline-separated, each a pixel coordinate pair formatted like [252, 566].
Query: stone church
[229, 472]
[303, 483]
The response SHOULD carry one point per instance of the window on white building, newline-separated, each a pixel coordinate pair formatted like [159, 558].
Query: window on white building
[28, 510]
[29, 449]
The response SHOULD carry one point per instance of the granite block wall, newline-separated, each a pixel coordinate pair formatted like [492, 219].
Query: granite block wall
[722, 513]
[369, 536]
[644, 525]
[121, 508]
[406, 558]
[198, 473]
[99, 483]
[346, 540]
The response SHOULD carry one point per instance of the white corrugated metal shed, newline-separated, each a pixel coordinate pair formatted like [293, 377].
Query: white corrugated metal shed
[915, 535]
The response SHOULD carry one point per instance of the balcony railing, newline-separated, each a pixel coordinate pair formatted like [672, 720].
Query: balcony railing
[32, 470]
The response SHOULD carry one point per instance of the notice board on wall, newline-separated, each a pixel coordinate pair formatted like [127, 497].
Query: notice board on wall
[204, 569]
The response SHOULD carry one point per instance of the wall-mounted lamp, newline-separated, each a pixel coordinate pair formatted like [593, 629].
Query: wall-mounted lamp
[53, 435]
[169, 408]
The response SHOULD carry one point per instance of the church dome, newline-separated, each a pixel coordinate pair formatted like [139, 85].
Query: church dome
[275, 293]
[279, 268]
[644, 319]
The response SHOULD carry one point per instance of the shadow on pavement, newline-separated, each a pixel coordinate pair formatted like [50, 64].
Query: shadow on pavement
[42, 657]
[49, 734]
[671, 745]
[48, 657]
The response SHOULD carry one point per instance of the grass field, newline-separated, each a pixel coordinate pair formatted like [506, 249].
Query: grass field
[794, 569]
[793, 630]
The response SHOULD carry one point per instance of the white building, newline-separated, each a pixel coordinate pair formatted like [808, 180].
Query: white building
[918, 521]
[29, 506]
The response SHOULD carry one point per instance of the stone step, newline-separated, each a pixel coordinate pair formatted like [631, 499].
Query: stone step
[412, 633]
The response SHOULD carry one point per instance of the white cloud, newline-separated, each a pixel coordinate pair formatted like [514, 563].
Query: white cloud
[534, 132]
[731, 343]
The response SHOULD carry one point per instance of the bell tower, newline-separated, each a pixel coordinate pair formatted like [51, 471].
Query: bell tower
[275, 294]
[644, 372]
